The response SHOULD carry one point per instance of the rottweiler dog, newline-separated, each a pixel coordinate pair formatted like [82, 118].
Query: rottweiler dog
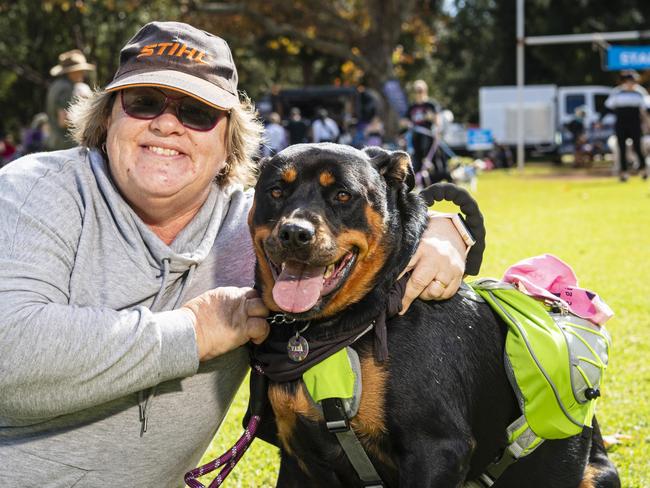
[333, 227]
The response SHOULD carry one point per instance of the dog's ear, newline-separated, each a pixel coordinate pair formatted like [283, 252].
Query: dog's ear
[394, 166]
[263, 162]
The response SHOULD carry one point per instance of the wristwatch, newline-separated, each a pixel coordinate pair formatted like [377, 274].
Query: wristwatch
[458, 222]
[472, 222]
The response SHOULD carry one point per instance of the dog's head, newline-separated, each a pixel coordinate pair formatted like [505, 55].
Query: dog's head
[325, 223]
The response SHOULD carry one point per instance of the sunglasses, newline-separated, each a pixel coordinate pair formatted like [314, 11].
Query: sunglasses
[147, 103]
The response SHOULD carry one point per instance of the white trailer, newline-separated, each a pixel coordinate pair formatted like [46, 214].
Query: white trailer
[546, 111]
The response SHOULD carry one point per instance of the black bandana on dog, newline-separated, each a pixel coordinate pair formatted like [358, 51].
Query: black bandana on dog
[324, 339]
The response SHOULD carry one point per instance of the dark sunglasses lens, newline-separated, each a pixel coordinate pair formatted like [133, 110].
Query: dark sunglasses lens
[196, 115]
[143, 103]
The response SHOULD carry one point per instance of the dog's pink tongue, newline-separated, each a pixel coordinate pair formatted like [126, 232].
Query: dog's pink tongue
[298, 287]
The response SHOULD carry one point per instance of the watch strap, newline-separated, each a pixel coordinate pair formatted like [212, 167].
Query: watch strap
[473, 218]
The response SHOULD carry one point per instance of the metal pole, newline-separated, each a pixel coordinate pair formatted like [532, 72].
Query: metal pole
[520, 84]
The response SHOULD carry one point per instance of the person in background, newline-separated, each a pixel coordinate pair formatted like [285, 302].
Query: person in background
[422, 114]
[68, 84]
[35, 137]
[297, 127]
[628, 101]
[374, 132]
[324, 128]
[501, 155]
[7, 148]
[578, 130]
[368, 109]
[275, 139]
[349, 131]
[126, 273]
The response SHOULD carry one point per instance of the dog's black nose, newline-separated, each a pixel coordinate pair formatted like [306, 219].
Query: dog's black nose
[296, 234]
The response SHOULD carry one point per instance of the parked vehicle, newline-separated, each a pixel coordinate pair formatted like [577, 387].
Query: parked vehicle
[339, 101]
[547, 109]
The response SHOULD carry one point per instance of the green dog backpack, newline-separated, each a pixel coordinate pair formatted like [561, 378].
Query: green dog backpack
[555, 362]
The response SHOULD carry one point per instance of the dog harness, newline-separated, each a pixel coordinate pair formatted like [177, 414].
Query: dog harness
[555, 363]
[335, 386]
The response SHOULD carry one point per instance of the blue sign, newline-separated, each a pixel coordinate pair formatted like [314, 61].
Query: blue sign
[628, 57]
[479, 139]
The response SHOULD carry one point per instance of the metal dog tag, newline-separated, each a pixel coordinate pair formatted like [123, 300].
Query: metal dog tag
[297, 348]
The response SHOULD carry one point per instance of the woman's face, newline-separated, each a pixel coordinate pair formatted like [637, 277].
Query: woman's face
[161, 167]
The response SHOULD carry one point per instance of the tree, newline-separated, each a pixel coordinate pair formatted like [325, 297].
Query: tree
[361, 36]
[477, 45]
[33, 34]
[468, 44]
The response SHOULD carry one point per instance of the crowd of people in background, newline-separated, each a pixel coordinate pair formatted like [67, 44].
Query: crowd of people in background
[626, 108]
[420, 130]
[419, 133]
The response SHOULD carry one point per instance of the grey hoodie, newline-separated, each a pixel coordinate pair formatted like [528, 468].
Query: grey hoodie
[87, 328]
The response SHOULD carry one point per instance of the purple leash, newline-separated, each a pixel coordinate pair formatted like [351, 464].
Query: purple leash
[228, 459]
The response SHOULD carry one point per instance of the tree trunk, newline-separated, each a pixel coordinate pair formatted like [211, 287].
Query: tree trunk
[381, 40]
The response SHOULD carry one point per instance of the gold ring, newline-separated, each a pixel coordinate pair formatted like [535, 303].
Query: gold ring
[440, 283]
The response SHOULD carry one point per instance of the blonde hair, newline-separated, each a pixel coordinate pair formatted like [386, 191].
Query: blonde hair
[420, 85]
[89, 125]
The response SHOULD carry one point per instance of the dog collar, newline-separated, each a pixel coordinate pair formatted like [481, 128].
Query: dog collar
[321, 339]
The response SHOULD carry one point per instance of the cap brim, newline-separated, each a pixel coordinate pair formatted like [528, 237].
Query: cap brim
[198, 88]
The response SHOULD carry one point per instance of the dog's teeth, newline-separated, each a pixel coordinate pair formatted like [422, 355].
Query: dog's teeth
[282, 266]
[328, 271]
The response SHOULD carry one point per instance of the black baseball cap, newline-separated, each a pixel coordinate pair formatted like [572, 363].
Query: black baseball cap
[180, 57]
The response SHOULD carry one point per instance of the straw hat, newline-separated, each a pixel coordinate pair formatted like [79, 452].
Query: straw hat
[71, 61]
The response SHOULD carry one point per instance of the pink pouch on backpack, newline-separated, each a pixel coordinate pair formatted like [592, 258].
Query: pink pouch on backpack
[548, 277]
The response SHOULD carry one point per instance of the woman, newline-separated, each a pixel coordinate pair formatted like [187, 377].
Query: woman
[125, 273]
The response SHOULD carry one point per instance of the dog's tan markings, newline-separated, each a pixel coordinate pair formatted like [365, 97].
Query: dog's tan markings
[371, 258]
[303, 467]
[400, 168]
[289, 174]
[287, 407]
[326, 178]
[589, 477]
[369, 423]
[259, 235]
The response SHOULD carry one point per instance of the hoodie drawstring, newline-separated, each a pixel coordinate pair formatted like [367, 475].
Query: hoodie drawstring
[145, 397]
[187, 279]
[163, 283]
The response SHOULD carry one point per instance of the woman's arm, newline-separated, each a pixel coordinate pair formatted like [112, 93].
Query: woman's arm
[57, 357]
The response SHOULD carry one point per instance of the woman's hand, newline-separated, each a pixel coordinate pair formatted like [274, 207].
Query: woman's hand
[226, 318]
[438, 264]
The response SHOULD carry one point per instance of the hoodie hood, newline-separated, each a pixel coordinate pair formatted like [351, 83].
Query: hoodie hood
[191, 245]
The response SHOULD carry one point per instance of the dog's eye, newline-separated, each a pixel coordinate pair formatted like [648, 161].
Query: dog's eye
[276, 192]
[343, 197]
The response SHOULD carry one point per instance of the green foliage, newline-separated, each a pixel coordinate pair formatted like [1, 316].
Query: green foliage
[457, 46]
[33, 34]
[580, 63]
[600, 227]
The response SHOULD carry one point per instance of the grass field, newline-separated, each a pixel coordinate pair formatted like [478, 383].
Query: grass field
[599, 226]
